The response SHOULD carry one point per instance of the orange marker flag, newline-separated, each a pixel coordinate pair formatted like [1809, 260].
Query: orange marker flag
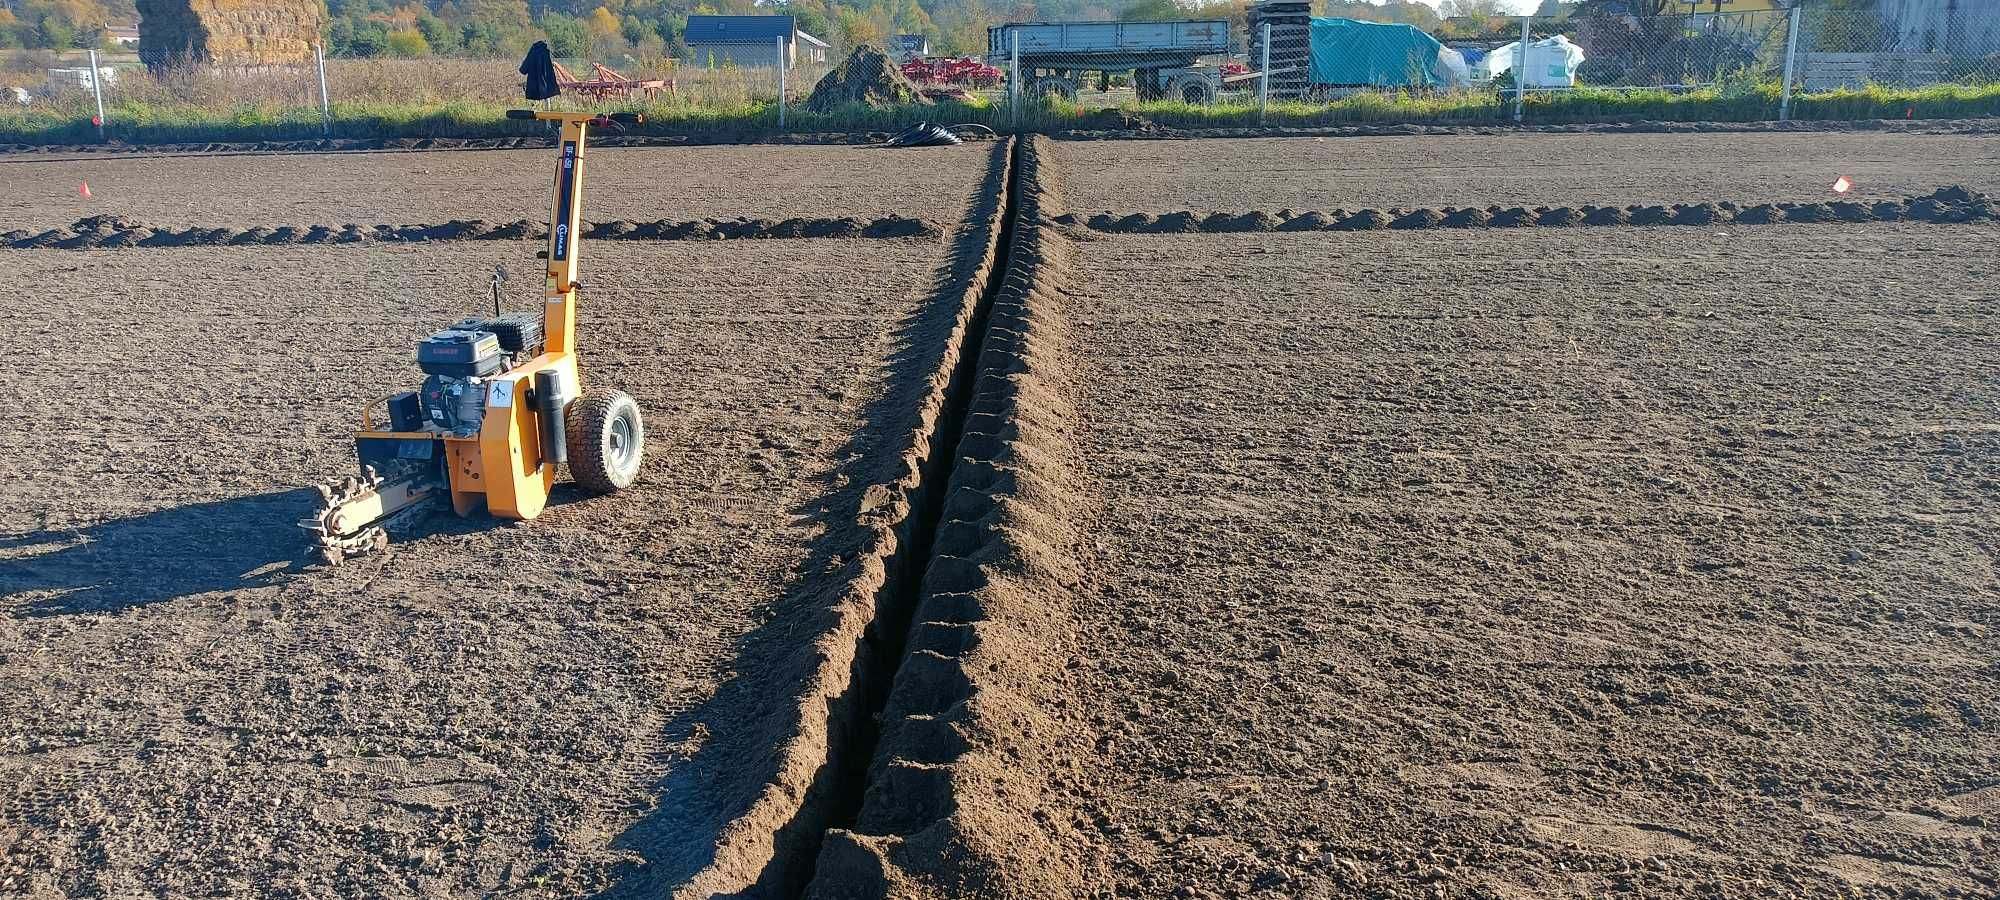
[1841, 184]
[84, 189]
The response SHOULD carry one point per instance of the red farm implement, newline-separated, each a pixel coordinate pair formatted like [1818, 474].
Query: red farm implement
[605, 83]
[961, 71]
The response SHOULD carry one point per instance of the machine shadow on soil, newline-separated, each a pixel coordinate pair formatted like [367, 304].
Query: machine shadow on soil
[240, 543]
[752, 714]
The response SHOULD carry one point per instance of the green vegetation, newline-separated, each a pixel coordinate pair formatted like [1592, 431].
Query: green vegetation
[136, 121]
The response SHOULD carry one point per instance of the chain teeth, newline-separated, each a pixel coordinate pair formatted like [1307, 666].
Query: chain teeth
[333, 547]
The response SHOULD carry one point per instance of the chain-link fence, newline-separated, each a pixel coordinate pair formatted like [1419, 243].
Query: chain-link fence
[1899, 45]
[1279, 65]
[1292, 67]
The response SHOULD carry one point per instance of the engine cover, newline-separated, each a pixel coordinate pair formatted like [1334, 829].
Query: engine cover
[457, 405]
[464, 354]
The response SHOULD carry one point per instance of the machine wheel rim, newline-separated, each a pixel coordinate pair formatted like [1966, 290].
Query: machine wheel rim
[618, 442]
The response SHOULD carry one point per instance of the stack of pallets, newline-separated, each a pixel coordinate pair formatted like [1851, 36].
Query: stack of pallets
[1291, 44]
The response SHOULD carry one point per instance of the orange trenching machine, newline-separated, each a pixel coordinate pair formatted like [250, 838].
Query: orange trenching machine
[501, 408]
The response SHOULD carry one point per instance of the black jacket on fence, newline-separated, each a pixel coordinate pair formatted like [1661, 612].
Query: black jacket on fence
[540, 67]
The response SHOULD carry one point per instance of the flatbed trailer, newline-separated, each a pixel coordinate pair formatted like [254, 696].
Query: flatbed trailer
[1163, 57]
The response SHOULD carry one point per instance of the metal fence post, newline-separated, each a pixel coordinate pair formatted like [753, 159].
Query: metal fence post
[1791, 60]
[1014, 77]
[781, 84]
[1521, 68]
[97, 88]
[1264, 82]
[325, 107]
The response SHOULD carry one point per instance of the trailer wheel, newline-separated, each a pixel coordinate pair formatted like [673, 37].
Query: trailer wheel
[1147, 83]
[1055, 86]
[1194, 90]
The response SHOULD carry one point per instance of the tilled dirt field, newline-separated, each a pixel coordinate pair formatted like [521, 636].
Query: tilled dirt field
[484, 709]
[1542, 564]
[1270, 174]
[1031, 560]
[496, 185]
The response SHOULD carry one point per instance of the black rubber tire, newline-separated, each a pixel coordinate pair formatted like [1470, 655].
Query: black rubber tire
[607, 441]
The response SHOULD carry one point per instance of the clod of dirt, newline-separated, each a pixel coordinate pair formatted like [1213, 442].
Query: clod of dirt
[1888, 211]
[1515, 217]
[1286, 214]
[688, 231]
[1136, 222]
[1809, 212]
[1182, 222]
[515, 230]
[728, 229]
[1560, 217]
[46, 239]
[1420, 218]
[1850, 211]
[867, 77]
[897, 226]
[109, 223]
[128, 238]
[1312, 221]
[1761, 214]
[318, 234]
[1119, 120]
[604, 231]
[350, 234]
[1225, 223]
[1954, 194]
[166, 237]
[1469, 217]
[845, 227]
[794, 227]
[1365, 220]
[16, 236]
[1648, 215]
[1699, 214]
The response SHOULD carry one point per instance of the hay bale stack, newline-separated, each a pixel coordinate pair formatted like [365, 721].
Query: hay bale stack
[868, 77]
[228, 32]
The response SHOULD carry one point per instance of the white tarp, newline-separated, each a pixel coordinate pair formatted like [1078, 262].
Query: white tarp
[1451, 69]
[1552, 62]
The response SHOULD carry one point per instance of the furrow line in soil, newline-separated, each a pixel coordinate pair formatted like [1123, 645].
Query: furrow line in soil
[119, 232]
[816, 746]
[968, 790]
[1949, 205]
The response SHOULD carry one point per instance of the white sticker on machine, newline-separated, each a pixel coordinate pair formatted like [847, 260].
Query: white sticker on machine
[501, 394]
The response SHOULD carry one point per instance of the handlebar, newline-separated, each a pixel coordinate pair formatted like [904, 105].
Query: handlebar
[598, 119]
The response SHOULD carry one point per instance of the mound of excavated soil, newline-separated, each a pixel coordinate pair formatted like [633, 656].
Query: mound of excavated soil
[867, 77]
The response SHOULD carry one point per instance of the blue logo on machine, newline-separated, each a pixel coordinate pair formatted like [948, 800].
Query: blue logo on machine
[565, 201]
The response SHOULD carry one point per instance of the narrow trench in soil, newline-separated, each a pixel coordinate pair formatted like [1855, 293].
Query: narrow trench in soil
[890, 632]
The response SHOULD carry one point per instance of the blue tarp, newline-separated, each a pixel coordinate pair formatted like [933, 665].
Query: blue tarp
[1350, 52]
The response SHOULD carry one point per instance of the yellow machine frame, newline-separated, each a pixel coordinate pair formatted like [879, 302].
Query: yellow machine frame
[504, 466]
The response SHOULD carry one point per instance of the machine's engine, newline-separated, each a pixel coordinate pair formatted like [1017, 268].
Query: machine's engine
[459, 359]
[458, 362]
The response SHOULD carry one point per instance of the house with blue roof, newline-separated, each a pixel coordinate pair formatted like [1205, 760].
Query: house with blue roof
[751, 41]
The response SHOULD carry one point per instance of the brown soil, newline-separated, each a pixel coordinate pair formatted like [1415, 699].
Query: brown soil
[1542, 563]
[498, 186]
[484, 709]
[1516, 169]
[867, 77]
